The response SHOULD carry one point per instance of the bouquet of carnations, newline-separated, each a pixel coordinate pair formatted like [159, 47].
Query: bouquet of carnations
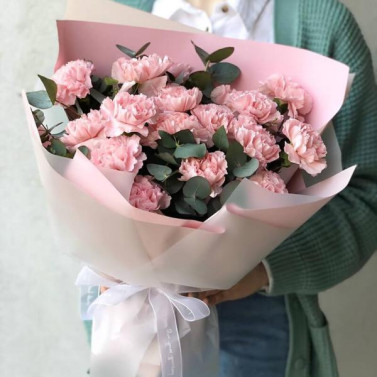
[177, 171]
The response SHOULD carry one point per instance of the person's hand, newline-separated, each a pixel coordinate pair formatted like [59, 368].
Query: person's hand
[251, 283]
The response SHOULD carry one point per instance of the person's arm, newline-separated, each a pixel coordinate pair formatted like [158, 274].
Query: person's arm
[341, 237]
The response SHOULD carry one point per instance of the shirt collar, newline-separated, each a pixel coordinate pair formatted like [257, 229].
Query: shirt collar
[249, 11]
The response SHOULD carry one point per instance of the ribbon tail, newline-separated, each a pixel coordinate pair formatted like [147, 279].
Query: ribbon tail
[167, 334]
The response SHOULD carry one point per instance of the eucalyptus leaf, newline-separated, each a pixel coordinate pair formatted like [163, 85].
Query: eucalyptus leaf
[200, 79]
[185, 137]
[127, 51]
[247, 170]
[197, 204]
[235, 156]
[160, 172]
[228, 190]
[197, 187]
[85, 150]
[167, 140]
[99, 97]
[39, 117]
[142, 49]
[220, 139]
[214, 205]
[285, 163]
[203, 55]
[183, 208]
[167, 157]
[190, 150]
[39, 99]
[58, 148]
[224, 73]
[50, 86]
[109, 81]
[173, 185]
[220, 54]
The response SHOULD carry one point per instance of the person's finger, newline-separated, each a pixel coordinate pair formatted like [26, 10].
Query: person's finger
[218, 298]
[103, 289]
[203, 295]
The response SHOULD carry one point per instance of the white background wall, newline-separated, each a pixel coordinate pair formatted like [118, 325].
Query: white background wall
[40, 331]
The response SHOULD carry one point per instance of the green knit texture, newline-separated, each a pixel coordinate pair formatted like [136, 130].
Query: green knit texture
[340, 238]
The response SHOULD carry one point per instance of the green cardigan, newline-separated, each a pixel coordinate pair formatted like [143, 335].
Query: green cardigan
[340, 238]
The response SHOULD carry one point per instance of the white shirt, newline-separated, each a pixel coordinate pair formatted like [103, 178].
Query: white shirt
[243, 19]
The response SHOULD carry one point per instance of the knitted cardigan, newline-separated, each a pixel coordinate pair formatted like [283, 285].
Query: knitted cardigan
[336, 242]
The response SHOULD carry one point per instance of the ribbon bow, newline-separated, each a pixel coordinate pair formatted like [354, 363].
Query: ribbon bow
[163, 300]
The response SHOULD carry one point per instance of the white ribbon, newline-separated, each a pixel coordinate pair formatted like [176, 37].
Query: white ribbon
[163, 300]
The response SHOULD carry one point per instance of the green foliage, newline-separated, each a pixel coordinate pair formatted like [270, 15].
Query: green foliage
[203, 55]
[235, 156]
[282, 106]
[224, 73]
[85, 150]
[220, 139]
[227, 191]
[197, 187]
[166, 140]
[190, 150]
[39, 117]
[51, 88]
[159, 172]
[247, 169]
[184, 137]
[198, 205]
[58, 148]
[200, 79]
[220, 54]
[131, 53]
[39, 99]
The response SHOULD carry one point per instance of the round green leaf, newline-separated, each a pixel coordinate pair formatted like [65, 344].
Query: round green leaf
[167, 157]
[220, 139]
[220, 55]
[183, 208]
[39, 99]
[247, 170]
[235, 156]
[173, 185]
[190, 150]
[184, 137]
[227, 191]
[200, 79]
[224, 73]
[160, 172]
[58, 148]
[197, 187]
[85, 150]
[198, 205]
[167, 140]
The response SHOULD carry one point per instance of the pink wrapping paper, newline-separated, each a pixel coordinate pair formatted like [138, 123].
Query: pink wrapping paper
[94, 222]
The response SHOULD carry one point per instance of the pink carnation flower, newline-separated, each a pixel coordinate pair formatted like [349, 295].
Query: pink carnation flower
[306, 146]
[173, 122]
[73, 80]
[270, 181]
[212, 117]
[212, 167]
[180, 69]
[119, 153]
[256, 141]
[89, 126]
[148, 195]
[128, 113]
[139, 70]
[255, 104]
[298, 99]
[220, 93]
[178, 98]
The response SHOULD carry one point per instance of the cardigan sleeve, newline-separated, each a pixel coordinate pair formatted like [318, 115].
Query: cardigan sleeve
[337, 241]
